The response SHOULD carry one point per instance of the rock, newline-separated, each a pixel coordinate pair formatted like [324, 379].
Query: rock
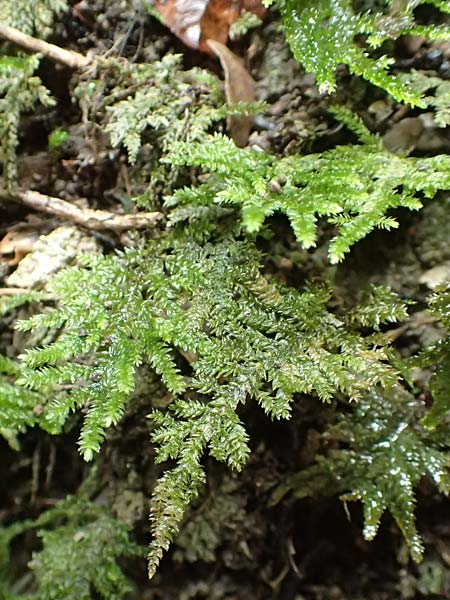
[416, 133]
[50, 254]
[437, 276]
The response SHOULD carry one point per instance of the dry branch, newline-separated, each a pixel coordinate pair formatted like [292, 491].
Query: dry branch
[71, 59]
[13, 291]
[97, 220]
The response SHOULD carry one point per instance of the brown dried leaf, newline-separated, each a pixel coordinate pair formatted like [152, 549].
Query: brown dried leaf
[239, 87]
[16, 244]
[197, 21]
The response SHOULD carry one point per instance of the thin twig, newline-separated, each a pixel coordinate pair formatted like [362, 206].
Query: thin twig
[13, 291]
[71, 59]
[97, 220]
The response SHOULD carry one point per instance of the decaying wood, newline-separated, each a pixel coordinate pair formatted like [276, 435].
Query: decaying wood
[96, 220]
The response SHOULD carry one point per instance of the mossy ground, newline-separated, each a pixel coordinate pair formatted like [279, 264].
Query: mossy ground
[234, 544]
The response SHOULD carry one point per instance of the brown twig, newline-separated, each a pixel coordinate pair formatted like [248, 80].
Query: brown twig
[71, 59]
[97, 220]
[13, 291]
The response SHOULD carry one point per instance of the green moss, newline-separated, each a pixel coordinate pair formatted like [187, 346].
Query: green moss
[20, 92]
[353, 187]
[324, 34]
[80, 546]
[195, 304]
[376, 453]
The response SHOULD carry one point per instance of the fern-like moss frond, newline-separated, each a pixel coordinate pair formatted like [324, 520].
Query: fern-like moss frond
[32, 17]
[378, 306]
[437, 357]
[17, 404]
[80, 558]
[244, 336]
[166, 100]
[116, 328]
[178, 105]
[353, 187]
[20, 91]
[9, 303]
[322, 35]
[81, 544]
[437, 93]
[383, 456]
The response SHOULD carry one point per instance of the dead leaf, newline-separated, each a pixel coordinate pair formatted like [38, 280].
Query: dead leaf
[16, 244]
[204, 24]
[197, 21]
[239, 87]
